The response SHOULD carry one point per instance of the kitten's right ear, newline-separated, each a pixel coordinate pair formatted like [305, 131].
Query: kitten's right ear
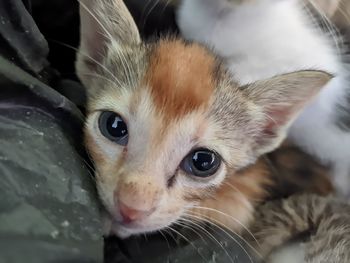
[104, 24]
[279, 100]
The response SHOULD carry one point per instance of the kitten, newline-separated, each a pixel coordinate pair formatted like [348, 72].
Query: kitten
[323, 222]
[259, 39]
[170, 131]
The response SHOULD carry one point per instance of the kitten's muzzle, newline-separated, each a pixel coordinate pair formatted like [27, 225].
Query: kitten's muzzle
[130, 214]
[136, 199]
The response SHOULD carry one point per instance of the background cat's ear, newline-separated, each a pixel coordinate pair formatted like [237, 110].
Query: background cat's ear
[279, 101]
[104, 24]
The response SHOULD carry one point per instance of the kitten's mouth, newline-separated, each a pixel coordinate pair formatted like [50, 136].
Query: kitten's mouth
[120, 231]
[125, 230]
[127, 224]
[114, 225]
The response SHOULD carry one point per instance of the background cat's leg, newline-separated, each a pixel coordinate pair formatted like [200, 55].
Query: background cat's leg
[323, 222]
[276, 222]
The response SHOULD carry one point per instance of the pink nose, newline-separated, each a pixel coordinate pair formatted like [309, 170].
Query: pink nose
[130, 214]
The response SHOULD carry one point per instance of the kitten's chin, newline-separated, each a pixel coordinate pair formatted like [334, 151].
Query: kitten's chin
[125, 232]
[121, 232]
[111, 228]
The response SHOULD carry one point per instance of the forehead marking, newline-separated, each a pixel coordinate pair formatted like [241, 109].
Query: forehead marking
[180, 77]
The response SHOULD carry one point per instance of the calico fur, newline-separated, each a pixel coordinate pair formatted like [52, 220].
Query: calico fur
[324, 223]
[176, 96]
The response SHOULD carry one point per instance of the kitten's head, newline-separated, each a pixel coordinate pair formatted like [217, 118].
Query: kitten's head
[167, 126]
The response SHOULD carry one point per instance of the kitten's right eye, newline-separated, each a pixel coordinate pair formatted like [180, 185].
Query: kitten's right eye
[201, 163]
[113, 127]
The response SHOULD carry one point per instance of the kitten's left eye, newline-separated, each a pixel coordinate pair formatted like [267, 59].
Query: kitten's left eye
[113, 127]
[201, 163]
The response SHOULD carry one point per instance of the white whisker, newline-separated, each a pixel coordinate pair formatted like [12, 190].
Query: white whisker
[222, 227]
[96, 19]
[99, 76]
[343, 12]
[186, 239]
[210, 236]
[225, 232]
[164, 236]
[171, 235]
[333, 31]
[231, 217]
[144, 19]
[182, 223]
[91, 58]
[126, 67]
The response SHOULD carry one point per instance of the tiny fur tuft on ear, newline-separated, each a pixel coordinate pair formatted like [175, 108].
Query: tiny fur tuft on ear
[280, 99]
[103, 24]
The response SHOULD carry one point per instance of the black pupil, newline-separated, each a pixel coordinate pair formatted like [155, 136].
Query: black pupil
[203, 161]
[116, 126]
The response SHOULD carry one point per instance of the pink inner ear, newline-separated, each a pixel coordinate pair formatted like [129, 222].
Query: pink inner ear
[95, 49]
[277, 118]
[93, 35]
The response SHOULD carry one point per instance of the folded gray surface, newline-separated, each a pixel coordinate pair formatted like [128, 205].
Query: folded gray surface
[48, 206]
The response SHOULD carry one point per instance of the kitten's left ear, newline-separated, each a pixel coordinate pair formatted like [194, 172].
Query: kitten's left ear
[104, 24]
[279, 100]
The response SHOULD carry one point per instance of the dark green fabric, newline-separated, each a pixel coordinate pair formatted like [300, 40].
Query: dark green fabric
[48, 205]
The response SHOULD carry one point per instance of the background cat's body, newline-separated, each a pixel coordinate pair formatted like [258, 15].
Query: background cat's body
[324, 222]
[259, 39]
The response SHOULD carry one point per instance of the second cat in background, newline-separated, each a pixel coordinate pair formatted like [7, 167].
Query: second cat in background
[259, 39]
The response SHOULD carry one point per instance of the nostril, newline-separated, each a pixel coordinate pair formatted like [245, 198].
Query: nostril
[130, 214]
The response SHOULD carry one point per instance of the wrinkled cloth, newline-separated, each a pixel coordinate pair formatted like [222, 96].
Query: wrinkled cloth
[48, 206]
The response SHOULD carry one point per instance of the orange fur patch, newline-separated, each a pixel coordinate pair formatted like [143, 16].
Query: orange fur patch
[92, 147]
[180, 77]
[139, 194]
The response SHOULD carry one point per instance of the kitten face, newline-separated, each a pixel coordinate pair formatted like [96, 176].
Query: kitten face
[171, 112]
[145, 174]
[167, 127]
